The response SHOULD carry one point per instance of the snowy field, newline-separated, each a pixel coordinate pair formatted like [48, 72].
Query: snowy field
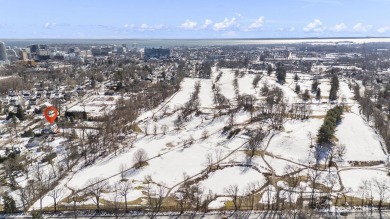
[364, 146]
[355, 179]
[186, 151]
[294, 139]
[220, 180]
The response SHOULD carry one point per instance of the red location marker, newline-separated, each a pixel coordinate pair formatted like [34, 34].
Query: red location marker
[51, 114]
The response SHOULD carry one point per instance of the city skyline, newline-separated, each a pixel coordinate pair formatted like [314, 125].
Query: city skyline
[198, 19]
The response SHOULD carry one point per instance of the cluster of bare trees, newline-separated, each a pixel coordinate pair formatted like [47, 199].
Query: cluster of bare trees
[71, 153]
[372, 113]
[379, 188]
[243, 199]
[213, 159]
[11, 83]
[42, 183]
[192, 196]
[42, 173]
[220, 100]
[233, 63]
[96, 186]
[300, 110]
[153, 94]
[192, 105]
[155, 195]
[107, 138]
[247, 102]
[256, 142]
[273, 107]
[204, 69]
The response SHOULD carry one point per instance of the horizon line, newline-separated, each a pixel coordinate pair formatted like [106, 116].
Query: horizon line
[240, 38]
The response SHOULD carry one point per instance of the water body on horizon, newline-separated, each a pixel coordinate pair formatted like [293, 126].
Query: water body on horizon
[169, 43]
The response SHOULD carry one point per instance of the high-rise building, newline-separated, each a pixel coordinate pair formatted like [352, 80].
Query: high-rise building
[23, 55]
[3, 53]
[34, 48]
[159, 53]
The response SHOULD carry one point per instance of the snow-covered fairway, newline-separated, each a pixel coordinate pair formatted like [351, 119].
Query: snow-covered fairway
[294, 142]
[362, 143]
[220, 180]
[181, 152]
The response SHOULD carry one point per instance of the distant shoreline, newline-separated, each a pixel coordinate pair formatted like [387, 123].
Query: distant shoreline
[267, 38]
[154, 42]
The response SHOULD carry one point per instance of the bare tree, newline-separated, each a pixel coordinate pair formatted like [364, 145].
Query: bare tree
[124, 187]
[209, 197]
[250, 193]
[183, 194]
[339, 151]
[368, 192]
[146, 128]
[218, 156]
[140, 157]
[310, 135]
[56, 194]
[209, 160]
[382, 188]
[255, 142]
[94, 188]
[197, 196]
[292, 180]
[155, 129]
[26, 195]
[164, 129]
[122, 169]
[314, 175]
[232, 191]
[70, 154]
[155, 195]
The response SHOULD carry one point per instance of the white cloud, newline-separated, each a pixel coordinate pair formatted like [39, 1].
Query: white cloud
[315, 26]
[225, 24]
[359, 27]
[239, 15]
[207, 23]
[281, 29]
[188, 25]
[257, 24]
[158, 27]
[129, 26]
[146, 27]
[50, 25]
[292, 29]
[384, 29]
[339, 27]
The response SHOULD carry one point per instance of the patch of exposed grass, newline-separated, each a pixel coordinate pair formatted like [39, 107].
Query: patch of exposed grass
[137, 129]
[169, 145]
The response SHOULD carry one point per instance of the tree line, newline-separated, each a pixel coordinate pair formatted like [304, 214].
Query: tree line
[328, 128]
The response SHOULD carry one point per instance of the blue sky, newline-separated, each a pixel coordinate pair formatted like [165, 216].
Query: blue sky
[193, 19]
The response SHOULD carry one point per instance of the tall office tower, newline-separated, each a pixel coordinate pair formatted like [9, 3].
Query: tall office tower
[3, 54]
